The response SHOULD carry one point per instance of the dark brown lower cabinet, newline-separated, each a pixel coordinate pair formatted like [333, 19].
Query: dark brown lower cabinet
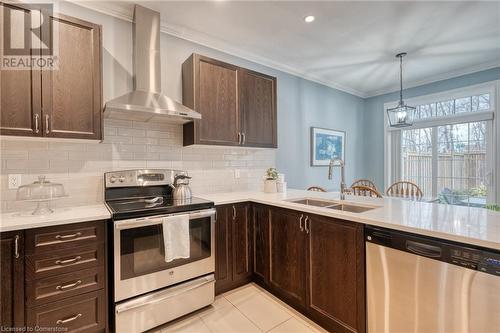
[66, 277]
[223, 248]
[12, 280]
[54, 278]
[233, 266]
[83, 313]
[336, 278]
[288, 256]
[313, 263]
[242, 268]
[61, 286]
[261, 264]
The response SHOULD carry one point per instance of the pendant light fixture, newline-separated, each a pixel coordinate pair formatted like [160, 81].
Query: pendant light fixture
[401, 115]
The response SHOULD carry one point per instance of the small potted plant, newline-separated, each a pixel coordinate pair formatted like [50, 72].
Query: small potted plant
[270, 180]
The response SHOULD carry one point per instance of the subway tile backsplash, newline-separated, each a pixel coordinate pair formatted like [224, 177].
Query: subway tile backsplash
[127, 145]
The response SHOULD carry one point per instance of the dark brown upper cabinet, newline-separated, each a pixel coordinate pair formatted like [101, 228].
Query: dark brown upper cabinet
[238, 106]
[63, 102]
[211, 88]
[71, 95]
[258, 109]
[20, 90]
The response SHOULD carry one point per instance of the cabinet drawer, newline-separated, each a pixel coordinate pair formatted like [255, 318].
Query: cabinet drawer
[84, 313]
[44, 240]
[54, 288]
[65, 261]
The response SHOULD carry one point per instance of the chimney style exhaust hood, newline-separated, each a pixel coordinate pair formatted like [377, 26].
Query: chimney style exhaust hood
[146, 103]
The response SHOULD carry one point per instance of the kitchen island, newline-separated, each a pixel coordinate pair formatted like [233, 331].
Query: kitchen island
[311, 257]
[309, 252]
[470, 225]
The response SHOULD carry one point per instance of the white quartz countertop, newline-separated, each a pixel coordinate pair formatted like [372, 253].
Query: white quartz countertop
[17, 221]
[468, 225]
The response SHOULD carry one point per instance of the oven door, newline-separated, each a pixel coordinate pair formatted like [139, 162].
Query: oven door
[139, 254]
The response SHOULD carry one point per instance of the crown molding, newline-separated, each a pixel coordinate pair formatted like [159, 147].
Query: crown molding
[120, 10]
[124, 11]
[219, 45]
[435, 78]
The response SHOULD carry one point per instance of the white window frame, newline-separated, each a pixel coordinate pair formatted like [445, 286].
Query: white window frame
[392, 163]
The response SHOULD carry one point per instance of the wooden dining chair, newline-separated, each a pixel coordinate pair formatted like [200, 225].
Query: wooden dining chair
[365, 191]
[405, 189]
[364, 182]
[316, 189]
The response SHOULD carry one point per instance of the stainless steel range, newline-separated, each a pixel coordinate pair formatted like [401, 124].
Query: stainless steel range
[163, 249]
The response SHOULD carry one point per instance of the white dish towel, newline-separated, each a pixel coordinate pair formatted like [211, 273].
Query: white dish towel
[176, 237]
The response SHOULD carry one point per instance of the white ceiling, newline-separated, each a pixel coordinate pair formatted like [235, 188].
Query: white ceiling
[350, 45]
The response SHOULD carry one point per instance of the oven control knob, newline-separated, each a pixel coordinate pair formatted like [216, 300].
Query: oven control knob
[112, 179]
[121, 179]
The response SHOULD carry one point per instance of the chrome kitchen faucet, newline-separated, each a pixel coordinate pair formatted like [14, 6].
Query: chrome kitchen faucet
[337, 162]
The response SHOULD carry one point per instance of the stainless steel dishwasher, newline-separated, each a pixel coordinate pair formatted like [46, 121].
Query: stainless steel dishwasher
[419, 284]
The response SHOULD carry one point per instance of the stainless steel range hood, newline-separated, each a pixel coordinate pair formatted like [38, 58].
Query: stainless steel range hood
[146, 103]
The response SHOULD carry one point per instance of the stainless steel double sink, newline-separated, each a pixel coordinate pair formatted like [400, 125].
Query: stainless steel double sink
[352, 208]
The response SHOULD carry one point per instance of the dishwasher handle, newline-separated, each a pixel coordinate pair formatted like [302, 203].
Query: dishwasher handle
[423, 249]
[379, 237]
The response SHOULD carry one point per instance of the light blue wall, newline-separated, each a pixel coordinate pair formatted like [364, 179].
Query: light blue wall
[306, 104]
[374, 116]
[301, 104]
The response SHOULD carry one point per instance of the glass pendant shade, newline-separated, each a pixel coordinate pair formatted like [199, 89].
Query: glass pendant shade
[402, 115]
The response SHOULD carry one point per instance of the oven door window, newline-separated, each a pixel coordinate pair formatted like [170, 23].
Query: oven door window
[142, 251]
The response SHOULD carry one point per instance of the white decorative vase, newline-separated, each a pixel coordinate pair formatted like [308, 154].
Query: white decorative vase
[281, 186]
[270, 186]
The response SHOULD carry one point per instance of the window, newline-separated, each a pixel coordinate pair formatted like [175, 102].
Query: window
[445, 108]
[448, 152]
[416, 158]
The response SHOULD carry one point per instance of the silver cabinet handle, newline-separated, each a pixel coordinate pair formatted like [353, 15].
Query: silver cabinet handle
[300, 222]
[68, 261]
[47, 122]
[243, 138]
[68, 320]
[69, 286]
[234, 213]
[239, 138]
[16, 246]
[37, 123]
[65, 237]
[306, 224]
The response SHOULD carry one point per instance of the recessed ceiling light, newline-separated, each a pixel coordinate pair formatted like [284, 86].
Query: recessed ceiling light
[309, 18]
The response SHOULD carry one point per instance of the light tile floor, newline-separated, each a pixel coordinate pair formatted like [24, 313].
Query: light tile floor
[246, 309]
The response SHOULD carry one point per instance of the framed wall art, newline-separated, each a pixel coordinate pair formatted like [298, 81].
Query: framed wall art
[325, 145]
